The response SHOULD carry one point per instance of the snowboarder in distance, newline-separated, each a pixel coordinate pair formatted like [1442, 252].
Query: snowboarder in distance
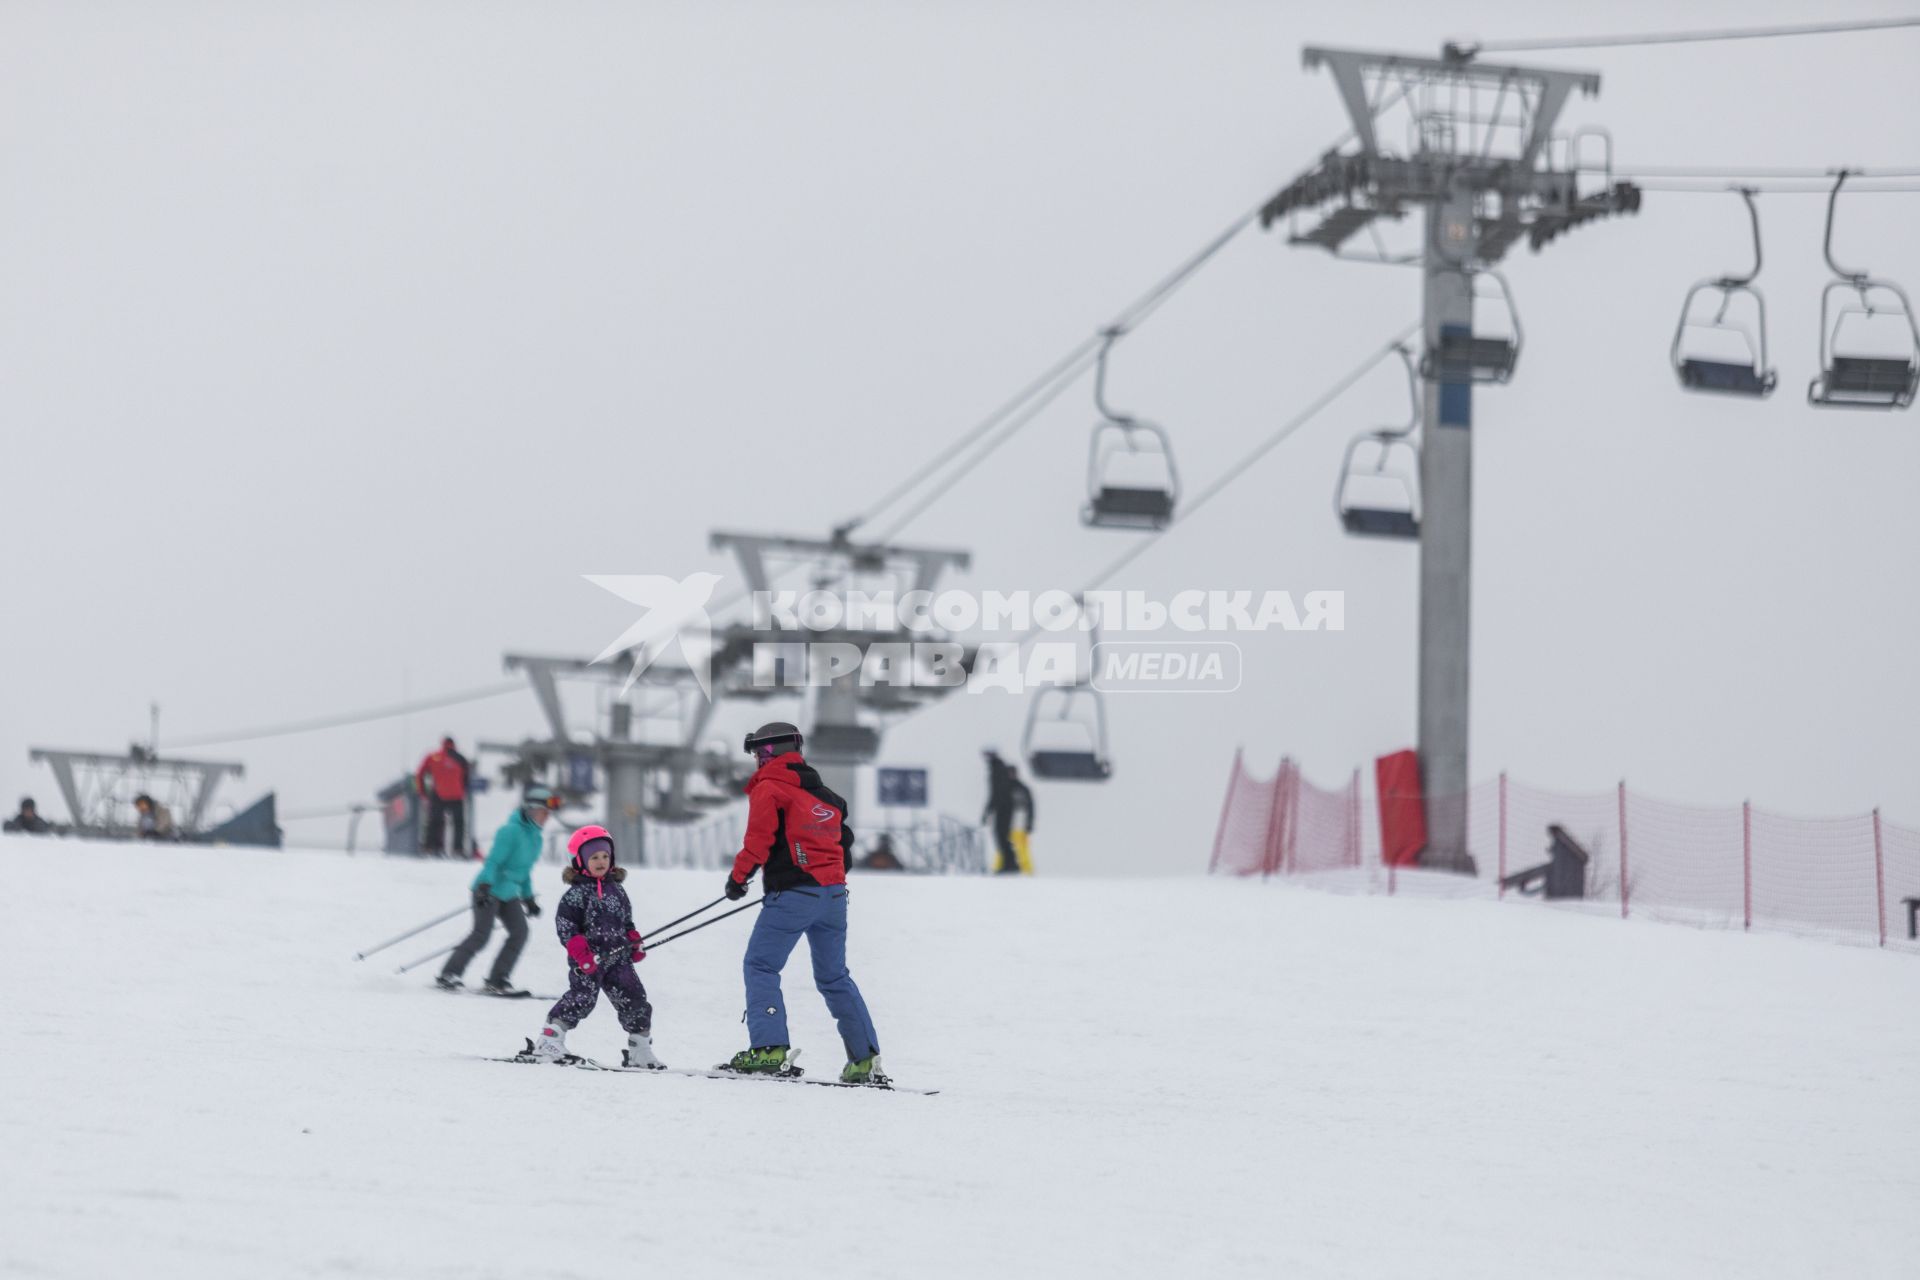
[595, 922]
[1010, 809]
[442, 780]
[797, 829]
[28, 821]
[152, 820]
[503, 890]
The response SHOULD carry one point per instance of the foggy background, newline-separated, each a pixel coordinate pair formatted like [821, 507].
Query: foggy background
[342, 339]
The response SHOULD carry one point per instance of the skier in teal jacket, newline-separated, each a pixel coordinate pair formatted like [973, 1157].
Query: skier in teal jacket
[504, 890]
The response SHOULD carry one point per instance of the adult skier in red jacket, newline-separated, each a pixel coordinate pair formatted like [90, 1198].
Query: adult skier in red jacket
[797, 830]
[442, 779]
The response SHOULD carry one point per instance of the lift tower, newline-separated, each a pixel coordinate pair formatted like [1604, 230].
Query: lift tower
[1479, 158]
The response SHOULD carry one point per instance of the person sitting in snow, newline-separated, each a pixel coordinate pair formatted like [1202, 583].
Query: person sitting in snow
[595, 923]
[152, 821]
[28, 821]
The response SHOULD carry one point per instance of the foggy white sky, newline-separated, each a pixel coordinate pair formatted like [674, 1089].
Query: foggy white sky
[341, 339]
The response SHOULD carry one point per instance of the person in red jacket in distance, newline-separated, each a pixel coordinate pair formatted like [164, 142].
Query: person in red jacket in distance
[443, 778]
[797, 830]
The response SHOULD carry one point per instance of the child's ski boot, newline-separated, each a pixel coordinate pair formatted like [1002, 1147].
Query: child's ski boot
[765, 1060]
[639, 1053]
[865, 1071]
[550, 1047]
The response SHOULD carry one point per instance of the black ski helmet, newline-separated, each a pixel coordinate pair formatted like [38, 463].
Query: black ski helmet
[774, 731]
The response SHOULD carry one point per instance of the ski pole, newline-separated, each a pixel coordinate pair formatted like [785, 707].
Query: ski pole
[649, 946]
[691, 914]
[423, 959]
[362, 955]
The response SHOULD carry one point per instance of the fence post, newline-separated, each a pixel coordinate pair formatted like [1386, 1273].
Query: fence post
[1746, 861]
[1353, 818]
[1623, 849]
[1880, 877]
[1503, 833]
[1220, 832]
[1289, 858]
[1276, 821]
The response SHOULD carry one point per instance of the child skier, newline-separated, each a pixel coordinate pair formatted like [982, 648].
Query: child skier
[595, 922]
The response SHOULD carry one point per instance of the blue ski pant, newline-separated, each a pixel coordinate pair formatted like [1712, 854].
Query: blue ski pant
[821, 915]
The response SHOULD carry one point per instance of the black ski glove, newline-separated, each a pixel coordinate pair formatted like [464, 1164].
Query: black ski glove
[735, 890]
[533, 908]
[482, 895]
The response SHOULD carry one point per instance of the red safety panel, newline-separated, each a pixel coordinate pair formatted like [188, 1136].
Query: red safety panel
[1403, 815]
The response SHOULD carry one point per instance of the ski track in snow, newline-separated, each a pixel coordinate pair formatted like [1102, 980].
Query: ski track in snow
[1176, 1077]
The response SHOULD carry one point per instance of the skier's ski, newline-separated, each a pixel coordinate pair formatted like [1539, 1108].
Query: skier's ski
[796, 1078]
[526, 1058]
[589, 1064]
[496, 995]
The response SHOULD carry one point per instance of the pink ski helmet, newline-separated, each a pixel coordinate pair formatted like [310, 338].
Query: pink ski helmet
[588, 841]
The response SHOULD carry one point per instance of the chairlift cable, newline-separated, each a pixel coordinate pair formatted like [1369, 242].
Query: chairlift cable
[363, 716]
[1253, 456]
[1069, 366]
[1009, 429]
[1678, 186]
[1062, 376]
[1219, 485]
[1689, 37]
[1759, 171]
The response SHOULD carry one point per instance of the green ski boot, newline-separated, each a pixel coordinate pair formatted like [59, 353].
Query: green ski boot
[768, 1060]
[865, 1071]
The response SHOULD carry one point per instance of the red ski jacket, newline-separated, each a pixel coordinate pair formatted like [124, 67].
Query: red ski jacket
[448, 770]
[796, 828]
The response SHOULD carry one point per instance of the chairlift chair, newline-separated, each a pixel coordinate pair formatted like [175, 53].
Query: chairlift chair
[1113, 501]
[1079, 707]
[1113, 505]
[1858, 379]
[1084, 708]
[1703, 371]
[1370, 513]
[1465, 355]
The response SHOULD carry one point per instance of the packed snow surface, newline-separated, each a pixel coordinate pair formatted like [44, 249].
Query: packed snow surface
[1140, 1078]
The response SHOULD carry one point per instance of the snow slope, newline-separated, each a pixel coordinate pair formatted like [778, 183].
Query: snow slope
[1172, 1077]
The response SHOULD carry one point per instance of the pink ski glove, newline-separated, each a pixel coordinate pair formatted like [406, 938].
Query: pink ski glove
[582, 955]
[639, 953]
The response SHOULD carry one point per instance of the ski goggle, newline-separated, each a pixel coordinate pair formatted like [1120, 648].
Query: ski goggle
[541, 798]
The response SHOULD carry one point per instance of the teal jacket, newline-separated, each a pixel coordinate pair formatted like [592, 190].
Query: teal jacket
[509, 866]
